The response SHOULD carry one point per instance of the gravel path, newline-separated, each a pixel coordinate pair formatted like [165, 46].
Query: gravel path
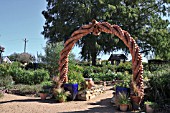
[22, 104]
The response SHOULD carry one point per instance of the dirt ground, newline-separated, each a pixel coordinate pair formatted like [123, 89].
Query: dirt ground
[22, 104]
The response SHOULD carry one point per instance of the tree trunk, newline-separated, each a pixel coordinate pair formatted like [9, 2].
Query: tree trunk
[94, 56]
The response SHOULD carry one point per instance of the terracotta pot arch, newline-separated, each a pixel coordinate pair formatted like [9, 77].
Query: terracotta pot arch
[95, 28]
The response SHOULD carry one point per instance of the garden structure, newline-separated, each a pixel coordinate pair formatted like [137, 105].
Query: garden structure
[117, 58]
[157, 63]
[137, 86]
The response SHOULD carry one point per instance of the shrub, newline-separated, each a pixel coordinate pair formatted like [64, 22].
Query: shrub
[15, 65]
[6, 81]
[159, 86]
[75, 77]
[5, 78]
[27, 77]
[40, 75]
[30, 77]
[22, 76]
[47, 83]
[4, 69]
[75, 74]
[87, 71]
[122, 67]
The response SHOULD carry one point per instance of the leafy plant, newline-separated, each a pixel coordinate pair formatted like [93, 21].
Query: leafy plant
[123, 98]
[60, 94]
[135, 89]
[151, 104]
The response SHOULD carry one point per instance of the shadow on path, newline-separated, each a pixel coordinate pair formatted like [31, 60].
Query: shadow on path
[102, 106]
[50, 101]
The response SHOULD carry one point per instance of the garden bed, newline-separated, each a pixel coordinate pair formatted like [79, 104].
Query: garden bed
[88, 94]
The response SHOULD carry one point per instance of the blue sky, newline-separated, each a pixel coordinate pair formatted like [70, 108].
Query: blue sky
[20, 19]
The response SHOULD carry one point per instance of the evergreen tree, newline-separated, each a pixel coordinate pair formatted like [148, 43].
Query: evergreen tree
[141, 18]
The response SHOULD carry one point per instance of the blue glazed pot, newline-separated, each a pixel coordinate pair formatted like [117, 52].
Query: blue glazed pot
[73, 88]
[122, 89]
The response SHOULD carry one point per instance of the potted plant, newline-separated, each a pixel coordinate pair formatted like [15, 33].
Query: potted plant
[43, 93]
[123, 101]
[60, 94]
[149, 106]
[135, 97]
[89, 83]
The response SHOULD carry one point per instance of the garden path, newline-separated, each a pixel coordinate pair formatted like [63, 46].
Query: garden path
[22, 104]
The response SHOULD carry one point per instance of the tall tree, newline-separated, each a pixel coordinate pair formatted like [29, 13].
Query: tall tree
[21, 57]
[52, 55]
[138, 17]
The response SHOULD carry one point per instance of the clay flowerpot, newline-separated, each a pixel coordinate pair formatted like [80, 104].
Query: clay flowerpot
[43, 96]
[149, 109]
[150, 106]
[90, 82]
[136, 102]
[136, 99]
[123, 107]
[61, 100]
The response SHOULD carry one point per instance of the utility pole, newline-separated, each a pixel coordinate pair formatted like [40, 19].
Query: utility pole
[25, 44]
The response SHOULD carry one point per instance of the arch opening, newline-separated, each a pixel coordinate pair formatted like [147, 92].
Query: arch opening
[96, 28]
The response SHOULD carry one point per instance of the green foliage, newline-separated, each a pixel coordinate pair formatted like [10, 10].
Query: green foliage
[15, 65]
[44, 91]
[60, 94]
[107, 72]
[42, 66]
[123, 99]
[1, 94]
[75, 74]
[142, 19]
[145, 66]
[88, 70]
[21, 76]
[151, 104]
[159, 86]
[6, 81]
[51, 57]
[4, 69]
[122, 67]
[5, 78]
[47, 83]
[40, 75]
[125, 83]
[161, 66]
[10, 72]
